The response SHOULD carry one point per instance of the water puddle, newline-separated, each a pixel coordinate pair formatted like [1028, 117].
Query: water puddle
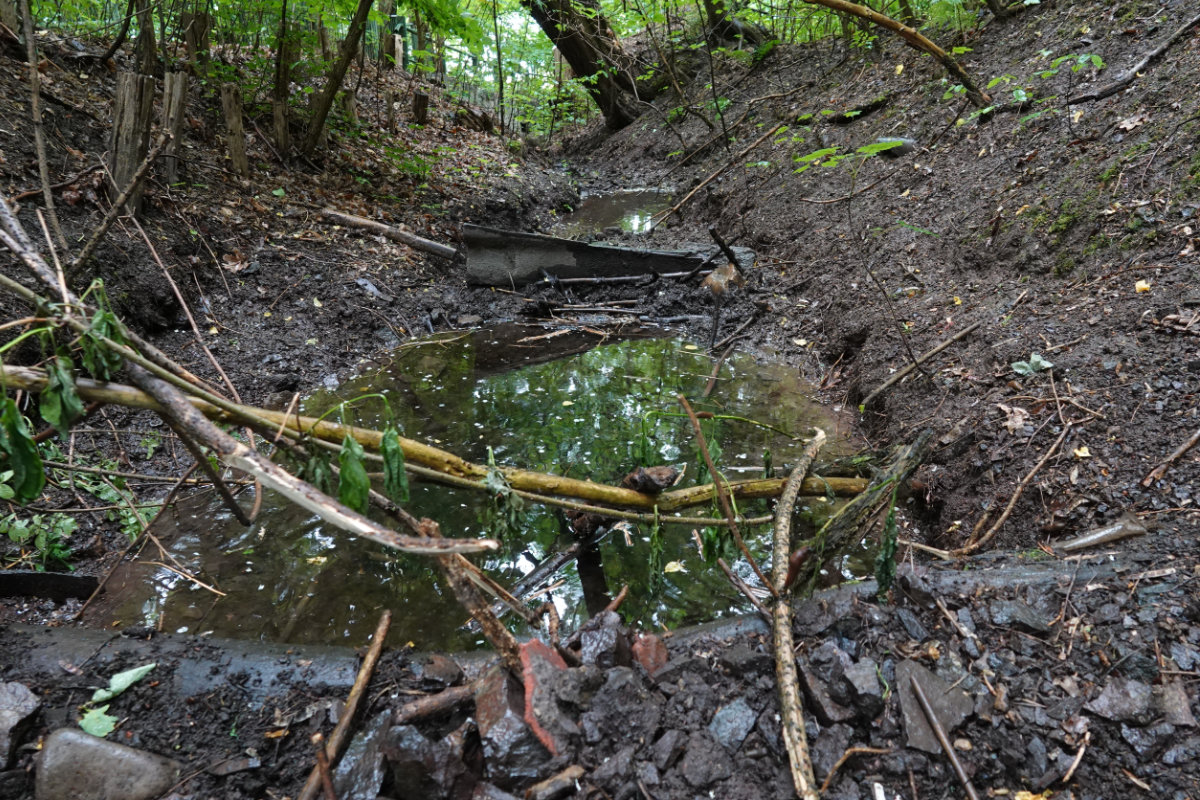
[631, 210]
[562, 402]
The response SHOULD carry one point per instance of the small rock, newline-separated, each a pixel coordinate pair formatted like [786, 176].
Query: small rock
[1173, 703]
[830, 744]
[1123, 700]
[669, 748]
[951, 706]
[911, 624]
[422, 767]
[731, 724]
[828, 710]
[469, 320]
[438, 671]
[862, 678]
[74, 765]
[616, 769]
[1019, 615]
[741, 660]
[359, 775]
[511, 750]
[606, 646]
[622, 705]
[18, 706]
[705, 762]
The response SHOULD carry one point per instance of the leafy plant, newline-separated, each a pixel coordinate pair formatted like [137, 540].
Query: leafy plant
[44, 534]
[1035, 364]
[20, 454]
[96, 720]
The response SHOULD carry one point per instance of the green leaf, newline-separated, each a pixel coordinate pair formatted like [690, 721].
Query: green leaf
[318, 472]
[118, 683]
[60, 404]
[395, 480]
[97, 357]
[98, 722]
[278, 192]
[354, 487]
[1039, 363]
[21, 453]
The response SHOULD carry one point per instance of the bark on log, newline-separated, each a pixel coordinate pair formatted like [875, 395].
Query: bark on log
[174, 108]
[420, 108]
[231, 103]
[132, 115]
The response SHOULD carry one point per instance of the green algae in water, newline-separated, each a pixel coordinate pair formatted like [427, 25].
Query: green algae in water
[291, 577]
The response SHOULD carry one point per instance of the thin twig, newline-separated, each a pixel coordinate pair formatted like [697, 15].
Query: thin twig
[200, 458]
[1158, 472]
[901, 374]
[852, 751]
[723, 496]
[741, 586]
[944, 740]
[976, 544]
[333, 748]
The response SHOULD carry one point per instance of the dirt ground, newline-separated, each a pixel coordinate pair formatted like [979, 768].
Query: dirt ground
[1062, 230]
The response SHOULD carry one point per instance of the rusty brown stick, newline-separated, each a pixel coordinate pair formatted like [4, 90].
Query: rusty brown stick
[341, 731]
[434, 704]
[323, 767]
[1161, 469]
[944, 740]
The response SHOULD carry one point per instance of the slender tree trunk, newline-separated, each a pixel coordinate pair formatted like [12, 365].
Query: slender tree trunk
[387, 39]
[333, 81]
[582, 34]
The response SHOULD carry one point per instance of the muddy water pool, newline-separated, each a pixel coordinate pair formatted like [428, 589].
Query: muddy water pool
[559, 401]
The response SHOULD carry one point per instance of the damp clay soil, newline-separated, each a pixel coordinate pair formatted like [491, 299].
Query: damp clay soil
[1054, 234]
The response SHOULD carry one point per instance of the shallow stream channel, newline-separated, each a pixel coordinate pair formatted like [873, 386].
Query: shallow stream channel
[565, 401]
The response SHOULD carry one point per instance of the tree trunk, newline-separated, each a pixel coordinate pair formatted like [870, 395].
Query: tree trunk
[231, 102]
[133, 113]
[333, 81]
[147, 56]
[8, 15]
[387, 39]
[582, 34]
[174, 110]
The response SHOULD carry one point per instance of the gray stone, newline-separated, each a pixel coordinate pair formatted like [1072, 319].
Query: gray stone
[827, 709]
[616, 770]
[422, 767]
[359, 774]
[486, 791]
[624, 707]
[541, 667]
[732, 723]
[911, 624]
[828, 746]
[437, 671]
[511, 750]
[1018, 615]
[606, 646]
[951, 705]
[1123, 700]
[18, 707]
[862, 678]
[669, 748]
[1174, 704]
[741, 660]
[74, 765]
[705, 762]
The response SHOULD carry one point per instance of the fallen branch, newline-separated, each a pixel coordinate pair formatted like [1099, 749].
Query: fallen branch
[901, 374]
[1158, 472]
[1128, 76]
[437, 464]
[333, 747]
[791, 706]
[395, 234]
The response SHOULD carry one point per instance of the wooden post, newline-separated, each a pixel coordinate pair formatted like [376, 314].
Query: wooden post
[174, 108]
[132, 115]
[350, 106]
[420, 107]
[196, 28]
[231, 102]
[390, 100]
[8, 16]
[326, 47]
[283, 139]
